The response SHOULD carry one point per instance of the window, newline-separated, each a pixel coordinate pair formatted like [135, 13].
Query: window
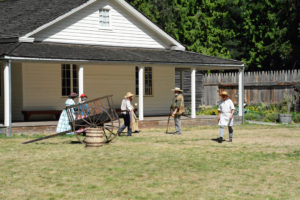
[69, 79]
[104, 19]
[148, 81]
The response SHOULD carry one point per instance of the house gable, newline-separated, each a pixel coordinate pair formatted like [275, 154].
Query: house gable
[126, 29]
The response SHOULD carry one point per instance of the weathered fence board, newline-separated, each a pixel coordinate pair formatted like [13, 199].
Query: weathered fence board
[268, 87]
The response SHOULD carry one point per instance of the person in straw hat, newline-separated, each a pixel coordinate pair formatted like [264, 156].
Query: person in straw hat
[126, 111]
[225, 116]
[177, 108]
[63, 122]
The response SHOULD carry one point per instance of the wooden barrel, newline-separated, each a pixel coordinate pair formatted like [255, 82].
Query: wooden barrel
[94, 137]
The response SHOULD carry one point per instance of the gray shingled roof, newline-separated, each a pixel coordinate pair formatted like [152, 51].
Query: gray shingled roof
[110, 54]
[19, 17]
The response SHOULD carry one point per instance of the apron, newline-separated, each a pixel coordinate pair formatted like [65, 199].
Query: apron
[226, 107]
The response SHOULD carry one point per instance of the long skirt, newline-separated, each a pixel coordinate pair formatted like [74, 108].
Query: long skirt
[134, 123]
[63, 123]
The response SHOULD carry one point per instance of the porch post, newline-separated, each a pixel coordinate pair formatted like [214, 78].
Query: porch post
[141, 93]
[80, 80]
[7, 98]
[241, 94]
[193, 93]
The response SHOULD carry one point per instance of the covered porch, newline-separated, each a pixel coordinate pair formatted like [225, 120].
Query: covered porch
[118, 61]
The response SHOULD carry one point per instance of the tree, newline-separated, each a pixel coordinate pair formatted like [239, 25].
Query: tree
[265, 34]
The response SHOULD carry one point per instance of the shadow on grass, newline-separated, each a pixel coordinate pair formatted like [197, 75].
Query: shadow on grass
[216, 140]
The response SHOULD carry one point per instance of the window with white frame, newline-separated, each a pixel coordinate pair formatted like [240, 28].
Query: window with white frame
[104, 18]
[147, 81]
[69, 79]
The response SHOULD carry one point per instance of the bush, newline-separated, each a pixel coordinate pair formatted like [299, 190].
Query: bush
[253, 116]
[262, 108]
[208, 110]
[211, 111]
[296, 118]
[271, 117]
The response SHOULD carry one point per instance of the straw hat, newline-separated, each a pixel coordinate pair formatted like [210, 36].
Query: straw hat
[128, 94]
[73, 95]
[83, 95]
[177, 89]
[224, 93]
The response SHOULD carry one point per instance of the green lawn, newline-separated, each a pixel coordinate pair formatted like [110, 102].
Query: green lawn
[262, 163]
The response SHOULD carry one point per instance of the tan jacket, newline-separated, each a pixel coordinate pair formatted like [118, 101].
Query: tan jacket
[178, 102]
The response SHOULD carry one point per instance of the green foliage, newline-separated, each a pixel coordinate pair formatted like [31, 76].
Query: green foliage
[208, 110]
[253, 116]
[271, 117]
[296, 117]
[260, 33]
[262, 108]
[286, 103]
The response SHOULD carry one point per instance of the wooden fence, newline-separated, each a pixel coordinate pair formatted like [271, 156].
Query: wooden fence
[268, 87]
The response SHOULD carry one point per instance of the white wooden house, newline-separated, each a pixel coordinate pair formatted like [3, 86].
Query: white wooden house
[97, 47]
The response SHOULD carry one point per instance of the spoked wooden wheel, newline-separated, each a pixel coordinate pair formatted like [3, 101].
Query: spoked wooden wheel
[97, 113]
[110, 130]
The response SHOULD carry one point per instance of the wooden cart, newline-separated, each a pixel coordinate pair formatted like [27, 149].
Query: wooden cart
[96, 113]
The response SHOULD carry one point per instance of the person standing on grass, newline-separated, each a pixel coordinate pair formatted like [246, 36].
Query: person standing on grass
[63, 122]
[126, 111]
[225, 116]
[178, 109]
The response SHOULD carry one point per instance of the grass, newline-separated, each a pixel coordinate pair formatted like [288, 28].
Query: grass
[262, 163]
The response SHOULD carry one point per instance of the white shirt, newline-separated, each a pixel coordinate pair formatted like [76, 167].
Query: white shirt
[126, 105]
[226, 107]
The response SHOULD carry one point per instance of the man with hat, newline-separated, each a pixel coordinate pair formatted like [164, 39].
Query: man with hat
[63, 123]
[177, 108]
[225, 116]
[126, 111]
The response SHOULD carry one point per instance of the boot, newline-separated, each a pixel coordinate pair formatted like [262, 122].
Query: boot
[230, 137]
[220, 140]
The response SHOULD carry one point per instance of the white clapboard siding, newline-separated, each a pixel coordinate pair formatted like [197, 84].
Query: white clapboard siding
[83, 28]
[16, 74]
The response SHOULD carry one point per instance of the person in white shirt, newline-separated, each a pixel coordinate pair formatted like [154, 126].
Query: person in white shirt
[225, 116]
[126, 111]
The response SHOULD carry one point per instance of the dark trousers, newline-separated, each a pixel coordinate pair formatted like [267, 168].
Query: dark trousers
[126, 118]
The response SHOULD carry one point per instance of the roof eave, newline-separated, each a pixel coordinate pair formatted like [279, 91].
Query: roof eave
[199, 66]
